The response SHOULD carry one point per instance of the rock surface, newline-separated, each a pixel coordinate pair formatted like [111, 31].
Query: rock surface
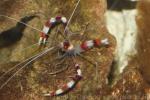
[32, 81]
[144, 38]
[134, 81]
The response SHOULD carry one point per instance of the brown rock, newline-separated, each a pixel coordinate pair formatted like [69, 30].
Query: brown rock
[143, 22]
[36, 79]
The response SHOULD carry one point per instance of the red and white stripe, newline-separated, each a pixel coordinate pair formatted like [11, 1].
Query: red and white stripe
[67, 87]
[48, 26]
[93, 43]
[66, 46]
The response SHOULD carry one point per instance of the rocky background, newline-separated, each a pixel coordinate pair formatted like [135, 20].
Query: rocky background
[133, 82]
[99, 82]
[34, 80]
[144, 38]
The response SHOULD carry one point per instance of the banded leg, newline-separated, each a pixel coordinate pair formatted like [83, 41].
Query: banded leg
[69, 86]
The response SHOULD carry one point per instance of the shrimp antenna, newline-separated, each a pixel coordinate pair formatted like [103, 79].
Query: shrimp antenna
[34, 58]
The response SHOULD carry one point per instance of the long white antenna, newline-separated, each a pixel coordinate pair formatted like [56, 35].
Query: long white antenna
[21, 22]
[26, 65]
[72, 15]
[18, 64]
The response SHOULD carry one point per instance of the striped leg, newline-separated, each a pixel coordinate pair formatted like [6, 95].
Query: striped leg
[93, 43]
[48, 26]
[67, 87]
[44, 33]
[43, 38]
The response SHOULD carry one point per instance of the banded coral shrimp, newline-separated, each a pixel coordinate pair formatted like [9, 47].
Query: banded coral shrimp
[69, 51]
[66, 53]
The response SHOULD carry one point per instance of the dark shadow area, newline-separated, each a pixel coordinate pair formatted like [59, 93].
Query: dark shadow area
[119, 5]
[111, 75]
[14, 34]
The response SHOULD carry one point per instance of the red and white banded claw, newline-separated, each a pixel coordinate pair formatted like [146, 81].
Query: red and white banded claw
[105, 41]
[48, 26]
[43, 39]
[69, 85]
[86, 45]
